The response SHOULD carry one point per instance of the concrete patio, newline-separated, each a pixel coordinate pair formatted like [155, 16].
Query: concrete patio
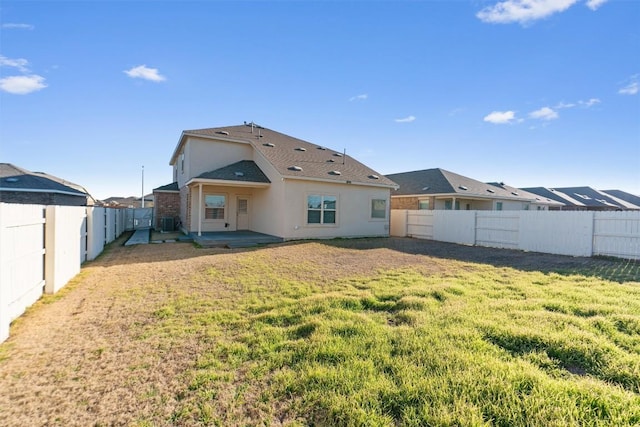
[233, 239]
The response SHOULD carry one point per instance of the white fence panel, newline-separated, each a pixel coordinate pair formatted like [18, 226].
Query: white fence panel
[398, 223]
[110, 219]
[617, 234]
[64, 231]
[95, 231]
[497, 229]
[561, 233]
[21, 260]
[420, 224]
[454, 226]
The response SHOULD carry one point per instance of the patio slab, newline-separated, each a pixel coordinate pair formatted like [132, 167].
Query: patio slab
[234, 239]
[139, 237]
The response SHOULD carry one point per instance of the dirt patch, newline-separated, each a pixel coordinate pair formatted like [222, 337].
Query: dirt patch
[82, 357]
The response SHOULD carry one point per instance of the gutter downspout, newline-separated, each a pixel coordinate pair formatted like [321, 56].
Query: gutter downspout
[199, 209]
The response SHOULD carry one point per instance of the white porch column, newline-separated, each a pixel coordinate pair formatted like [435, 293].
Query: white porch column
[453, 208]
[200, 209]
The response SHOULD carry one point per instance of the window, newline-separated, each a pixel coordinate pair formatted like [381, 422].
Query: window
[423, 205]
[321, 209]
[498, 206]
[378, 208]
[214, 207]
[447, 205]
[182, 162]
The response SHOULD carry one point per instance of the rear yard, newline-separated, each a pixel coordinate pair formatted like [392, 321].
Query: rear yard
[378, 332]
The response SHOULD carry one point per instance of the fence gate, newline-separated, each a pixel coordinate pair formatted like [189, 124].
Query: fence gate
[138, 218]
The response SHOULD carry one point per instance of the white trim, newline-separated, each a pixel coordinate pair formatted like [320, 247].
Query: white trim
[228, 183]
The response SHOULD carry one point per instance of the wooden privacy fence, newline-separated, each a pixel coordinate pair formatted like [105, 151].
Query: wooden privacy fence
[571, 233]
[43, 247]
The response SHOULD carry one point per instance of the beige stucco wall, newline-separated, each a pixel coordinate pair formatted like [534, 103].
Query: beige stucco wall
[353, 216]
[204, 155]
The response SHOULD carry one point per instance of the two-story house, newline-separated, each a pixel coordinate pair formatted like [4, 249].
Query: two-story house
[248, 177]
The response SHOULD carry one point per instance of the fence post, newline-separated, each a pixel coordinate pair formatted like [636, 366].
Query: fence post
[50, 249]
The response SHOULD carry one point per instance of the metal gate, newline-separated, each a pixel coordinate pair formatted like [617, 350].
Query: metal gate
[138, 218]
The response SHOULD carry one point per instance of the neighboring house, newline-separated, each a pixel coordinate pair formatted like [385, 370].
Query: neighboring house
[19, 185]
[631, 200]
[579, 198]
[443, 190]
[248, 177]
[128, 202]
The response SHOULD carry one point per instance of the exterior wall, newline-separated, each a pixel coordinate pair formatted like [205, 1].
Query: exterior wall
[269, 203]
[167, 204]
[203, 155]
[353, 213]
[35, 198]
[185, 208]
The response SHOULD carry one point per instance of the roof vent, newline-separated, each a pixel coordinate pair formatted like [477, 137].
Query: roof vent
[269, 144]
[321, 148]
[515, 193]
[425, 188]
[337, 154]
[462, 187]
[537, 198]
[301, 149]
[374, 177]
[11, 179]
[490, 190]
[331, 161]
[295, 168]
[238, 173]
[223, 132]
[335, 173]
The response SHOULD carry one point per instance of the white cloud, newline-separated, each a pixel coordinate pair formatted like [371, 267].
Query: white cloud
[359, 97]
[407, 119]
[522, 11]
[13, 26]
[500, 117]
[544, 113]
[20, 63]
[590, 103]
[562, 105]
[144, 72]
[632, 87]
[22, 85]
[595, 4]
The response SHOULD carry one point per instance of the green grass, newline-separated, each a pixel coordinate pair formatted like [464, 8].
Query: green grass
[474, 345]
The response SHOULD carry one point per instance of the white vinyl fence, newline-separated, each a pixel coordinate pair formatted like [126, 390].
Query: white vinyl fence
[587, 234]
[42, 248]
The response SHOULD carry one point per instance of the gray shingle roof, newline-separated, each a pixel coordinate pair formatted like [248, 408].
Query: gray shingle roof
[440, 181]
[623, 195]
[168, 187]
[244, 171]
[554, 195]
[590, 197]
[284, 152]
[13, 178]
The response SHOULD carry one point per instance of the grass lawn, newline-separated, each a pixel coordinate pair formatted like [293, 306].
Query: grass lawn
[355, 333]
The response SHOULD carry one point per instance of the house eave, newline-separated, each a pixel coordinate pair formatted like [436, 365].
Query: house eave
[38, 190]
[228, 183]
[473, 196]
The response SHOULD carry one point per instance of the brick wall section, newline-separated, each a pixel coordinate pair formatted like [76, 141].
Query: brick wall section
[404, 203]
[32, 198]
[166, 204]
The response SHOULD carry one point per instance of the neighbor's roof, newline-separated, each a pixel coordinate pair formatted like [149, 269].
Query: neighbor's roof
[536, 198]
[244, 171]
[440, 182]
[624, 196]
[13, 178]
[293, 157]
[590, 197]
[553, 194]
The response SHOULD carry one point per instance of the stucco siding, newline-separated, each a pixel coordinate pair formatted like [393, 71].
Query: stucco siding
[204, 155]
[353, 211]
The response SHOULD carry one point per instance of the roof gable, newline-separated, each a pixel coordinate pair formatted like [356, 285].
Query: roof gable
[296, 158]
[590, 197]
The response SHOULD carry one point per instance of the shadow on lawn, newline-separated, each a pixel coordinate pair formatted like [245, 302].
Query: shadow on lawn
[617, 270]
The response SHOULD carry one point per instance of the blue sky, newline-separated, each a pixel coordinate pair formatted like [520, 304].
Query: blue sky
[529, 92]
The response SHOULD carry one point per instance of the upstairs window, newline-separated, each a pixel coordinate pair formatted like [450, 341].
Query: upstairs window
[321, 209]
[214, 206]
